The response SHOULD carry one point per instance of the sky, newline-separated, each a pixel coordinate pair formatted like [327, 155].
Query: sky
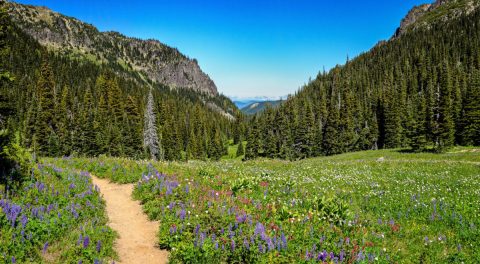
[250, 48]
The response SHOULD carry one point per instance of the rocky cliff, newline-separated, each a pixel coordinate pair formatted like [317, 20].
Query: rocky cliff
[149, 59]
[440, 10]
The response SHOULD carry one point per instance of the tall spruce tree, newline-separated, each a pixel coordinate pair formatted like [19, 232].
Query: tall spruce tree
[44, 126]
[446, 127]
[471, 112]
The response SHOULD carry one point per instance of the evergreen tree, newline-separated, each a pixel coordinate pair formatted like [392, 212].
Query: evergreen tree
[44, 126]
[471, 115]
[133, 129]
[240, 149]
[62, 119]
[446, 127]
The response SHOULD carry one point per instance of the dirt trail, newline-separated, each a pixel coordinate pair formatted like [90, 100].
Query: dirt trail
[137, 240]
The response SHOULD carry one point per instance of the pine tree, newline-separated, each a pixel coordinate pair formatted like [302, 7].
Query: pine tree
[62, 119]
[132, 136]
[150, 136]
[240, 149]
[102, 125]
[45, 113]
[87, 136]
[331, 143]
[418, 137]
[471, 116]
[393, 128]
[446, 127]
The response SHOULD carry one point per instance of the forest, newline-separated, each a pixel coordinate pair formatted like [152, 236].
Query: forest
[420, 91]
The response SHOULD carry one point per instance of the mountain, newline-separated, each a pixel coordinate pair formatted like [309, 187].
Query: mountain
[143, 60]
[419, 90]
[258, 107]
[424, 15]
[241, 102]
[64, 101]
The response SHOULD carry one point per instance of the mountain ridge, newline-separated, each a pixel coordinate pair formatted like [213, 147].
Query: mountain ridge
[149, 60]
[426, 14]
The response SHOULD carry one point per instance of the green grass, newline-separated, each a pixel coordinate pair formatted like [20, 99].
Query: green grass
[392, 206]
[50, 217]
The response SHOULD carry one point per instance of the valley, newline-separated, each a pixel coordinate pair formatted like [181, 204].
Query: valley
[118, 149]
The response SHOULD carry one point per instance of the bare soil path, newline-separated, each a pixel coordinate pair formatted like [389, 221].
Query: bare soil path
[137, 241]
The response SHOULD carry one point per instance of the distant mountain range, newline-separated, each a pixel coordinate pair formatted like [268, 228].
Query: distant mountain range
[241, 102]
[257, 107]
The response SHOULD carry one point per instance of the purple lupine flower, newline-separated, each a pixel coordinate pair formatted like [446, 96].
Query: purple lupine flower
[260, 248]
[232, 245]
[307, 255]
[14, 260]
[246, 244]
[96, 261]
[80, 239]
[24, 221]
[342, 255]
[284, 240]
[182, 214]
[216, 244]
[259, 229]
[86, 241]
[197, 228]
[99, 246]
[80, 262]
[45, 247]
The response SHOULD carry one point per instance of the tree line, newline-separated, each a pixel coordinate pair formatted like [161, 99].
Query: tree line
[65, 106]
[421, 91]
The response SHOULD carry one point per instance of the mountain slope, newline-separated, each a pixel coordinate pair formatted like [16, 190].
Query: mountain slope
[419, 90]
[71, 105]
[441, 10]
[258, 107]
[147, 60]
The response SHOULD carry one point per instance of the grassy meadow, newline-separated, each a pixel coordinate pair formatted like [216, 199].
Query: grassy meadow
[375, 206]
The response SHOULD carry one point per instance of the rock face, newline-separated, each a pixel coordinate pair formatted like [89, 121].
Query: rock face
[440, 10]
[412, 17]
[150, 58]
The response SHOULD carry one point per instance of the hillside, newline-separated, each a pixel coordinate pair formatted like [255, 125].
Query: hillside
[420, 89]
[142, 60]
[441, 10]
[258, 107]
[62, 105]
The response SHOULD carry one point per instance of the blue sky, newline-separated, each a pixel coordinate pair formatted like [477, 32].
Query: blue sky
[250, 47]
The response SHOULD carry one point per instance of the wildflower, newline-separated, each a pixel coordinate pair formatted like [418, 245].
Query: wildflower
[99, 246]
[284, 240]
[86, 242]
[45, 247]
[232, 245]
[342, 255]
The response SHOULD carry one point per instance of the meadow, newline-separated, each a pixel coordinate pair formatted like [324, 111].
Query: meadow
[374, 206]
[55, 216]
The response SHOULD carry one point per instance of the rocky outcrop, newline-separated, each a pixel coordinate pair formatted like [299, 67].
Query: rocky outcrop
[411, 18]
[440, 10]
[152, 59]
